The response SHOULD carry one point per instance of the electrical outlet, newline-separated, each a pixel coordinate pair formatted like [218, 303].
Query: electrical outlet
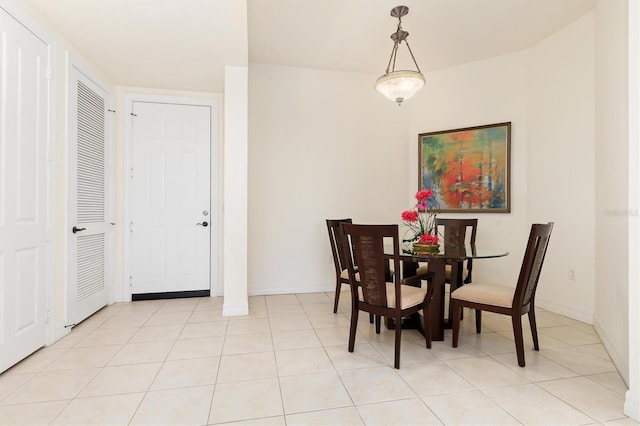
[572, 274]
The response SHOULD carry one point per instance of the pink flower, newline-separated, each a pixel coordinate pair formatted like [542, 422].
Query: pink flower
[424, 195]
[410, 216]
[428, 239]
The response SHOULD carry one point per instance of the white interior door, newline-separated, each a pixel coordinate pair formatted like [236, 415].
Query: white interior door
[170, 206]
[23, 191]
[88, 228]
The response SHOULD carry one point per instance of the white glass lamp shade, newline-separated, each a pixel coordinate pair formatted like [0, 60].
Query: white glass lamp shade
[400, 85]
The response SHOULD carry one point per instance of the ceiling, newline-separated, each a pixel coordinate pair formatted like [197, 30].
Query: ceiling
[184, 44]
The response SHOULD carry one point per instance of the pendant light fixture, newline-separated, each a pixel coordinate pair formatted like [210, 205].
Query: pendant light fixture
[402, 84]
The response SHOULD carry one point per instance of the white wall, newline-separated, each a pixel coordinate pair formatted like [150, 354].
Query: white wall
[322, 145]
[485, 92]
[611, 186]
[561, 165]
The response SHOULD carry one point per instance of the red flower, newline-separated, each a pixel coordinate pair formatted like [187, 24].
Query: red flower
[424, 195]
[410, 216]
[428, 239]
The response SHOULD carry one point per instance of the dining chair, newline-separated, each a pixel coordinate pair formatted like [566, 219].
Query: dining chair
[506, 300]
[373, 293]
[339, 256]
[455, 231]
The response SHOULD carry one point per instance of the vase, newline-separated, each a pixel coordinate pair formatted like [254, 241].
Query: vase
[426, 248]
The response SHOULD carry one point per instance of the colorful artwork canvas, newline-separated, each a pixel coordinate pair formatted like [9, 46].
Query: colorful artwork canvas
[468, 168]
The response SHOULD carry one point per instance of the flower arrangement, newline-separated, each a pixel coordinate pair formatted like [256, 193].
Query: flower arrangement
[421, 220]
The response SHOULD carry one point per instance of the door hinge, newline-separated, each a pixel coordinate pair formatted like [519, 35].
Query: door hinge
[48, 317]
[131, 281]
[131, 226]
[49, 73]
[131, 173]
[48, 154]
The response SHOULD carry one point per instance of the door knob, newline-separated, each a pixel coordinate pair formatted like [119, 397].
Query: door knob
[76, 229]
[205, 224]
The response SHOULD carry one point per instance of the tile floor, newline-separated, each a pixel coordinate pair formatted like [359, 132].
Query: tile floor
[180, 362]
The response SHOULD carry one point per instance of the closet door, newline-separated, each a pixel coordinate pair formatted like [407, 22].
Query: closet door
[23, 191]
[88, 228]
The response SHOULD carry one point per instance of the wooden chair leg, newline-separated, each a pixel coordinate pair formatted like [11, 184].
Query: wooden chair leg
[396, 358]
[455, 325]
[534, 329]
[377, 324]
[370, 318]
[516, 320]
[427, 328]
[352, 330]
[337, 297]
[478, 321]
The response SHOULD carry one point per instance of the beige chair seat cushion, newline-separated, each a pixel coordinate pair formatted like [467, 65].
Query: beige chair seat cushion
[424, 267]
[488, 294]
[411, 296]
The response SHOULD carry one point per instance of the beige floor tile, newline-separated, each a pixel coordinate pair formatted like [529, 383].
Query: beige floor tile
[364, 355]
[187, 373]
[145, 352]
[478, 409]
[611, 380]
[247, 343]
[40, 413]
[578, 360]
[411, 351]
[289, 322]
[306, 299]
[551, 319]
[253, 366]
[328, 320]
[569, 335]
[402, 412]
[178, 305]
[264, 421]
[537, 368]
[204, 329]
[318, 308]
[347, 416]
[313, 392]
[485, 372]
[124, 321]
[210, 315]
[108, 336]
[444, 350]
[626, 421]
[525, 402]
[591, 398]
[337, 336]
[168, 318]
[244, 325]
[37, 361]
[433, 378]
[52, 385]
[201, 347]
[156, 333]
[280, 300]
[303, 361]
[11, 382]
[377, 384]
[596, 349]
[295, 339]
[245, 400]
[122, 379]
[185, 406]
[544, 341]
[490, 343]
[141, 306]
[86, 357]
[101, 410]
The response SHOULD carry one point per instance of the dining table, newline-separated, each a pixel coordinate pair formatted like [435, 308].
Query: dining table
[449, 253]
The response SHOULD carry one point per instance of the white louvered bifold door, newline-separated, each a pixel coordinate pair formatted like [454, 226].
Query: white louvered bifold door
[88, 194]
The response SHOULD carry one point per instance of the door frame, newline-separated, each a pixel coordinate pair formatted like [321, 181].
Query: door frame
[74, 61]
[213, 102]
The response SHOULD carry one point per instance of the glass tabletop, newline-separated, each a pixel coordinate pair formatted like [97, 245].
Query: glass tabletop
[451, 252]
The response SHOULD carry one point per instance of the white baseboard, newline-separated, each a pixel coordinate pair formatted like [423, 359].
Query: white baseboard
[632, 405]
[559, 308]
[320, 288]
[234, 310]
[621, 361]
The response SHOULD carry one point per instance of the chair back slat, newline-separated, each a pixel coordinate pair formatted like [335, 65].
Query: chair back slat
[455, 230]
[532, 264]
